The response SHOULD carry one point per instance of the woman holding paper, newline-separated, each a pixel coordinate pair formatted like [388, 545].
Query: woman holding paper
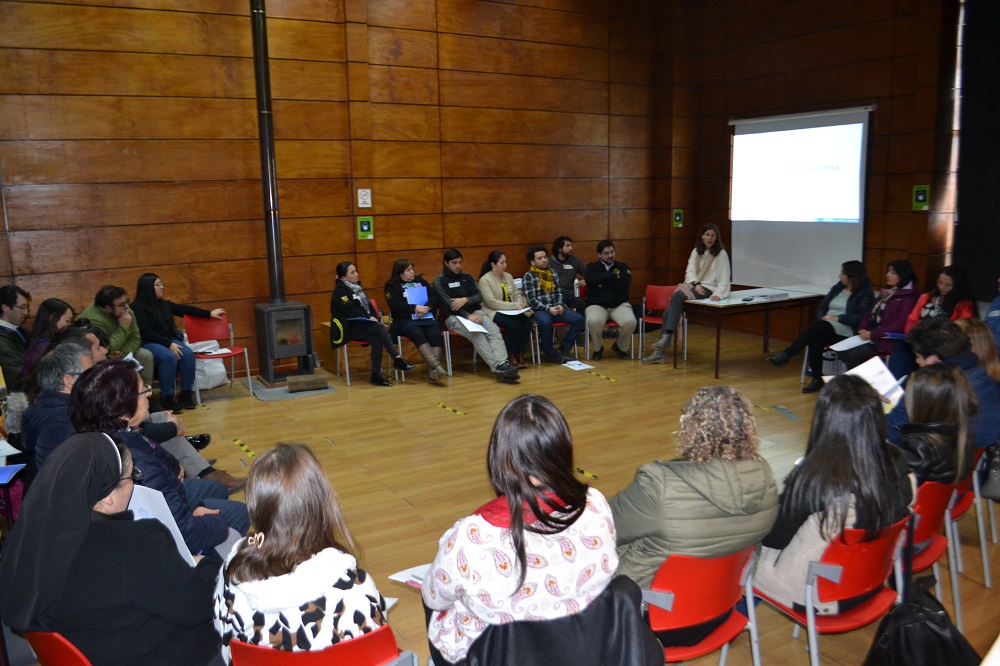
[838, 314]
[295, 585]
[413, 304]
[117, 588]
[543, 549]
[500, 294]
[350, 304]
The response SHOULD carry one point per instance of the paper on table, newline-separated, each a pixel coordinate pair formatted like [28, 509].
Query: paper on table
[149, 503]
[471, 326]
[512, 312]
[849, 343]
[414, 576]
[875, 372]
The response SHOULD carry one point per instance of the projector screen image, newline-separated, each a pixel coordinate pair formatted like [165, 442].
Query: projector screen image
[797, 198]
[805, 175]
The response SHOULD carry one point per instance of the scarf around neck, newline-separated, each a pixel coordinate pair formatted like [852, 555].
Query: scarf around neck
[546, 279]
[358, 291]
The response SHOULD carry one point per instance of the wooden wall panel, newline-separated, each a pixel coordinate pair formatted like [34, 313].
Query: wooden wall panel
[402, 122]
[476, 160]
[490, 19]
[531, 127]
[586, 227]
[462, 195]
[406, 159]
[403, 85]
[406, 48]
[522, 92]
[501, 56]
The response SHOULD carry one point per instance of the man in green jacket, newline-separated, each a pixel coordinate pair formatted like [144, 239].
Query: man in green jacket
[110, 313]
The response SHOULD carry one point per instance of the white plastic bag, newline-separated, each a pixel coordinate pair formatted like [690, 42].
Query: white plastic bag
[211, 372]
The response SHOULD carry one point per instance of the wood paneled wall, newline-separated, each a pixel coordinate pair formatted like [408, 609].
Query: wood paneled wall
[128, 132]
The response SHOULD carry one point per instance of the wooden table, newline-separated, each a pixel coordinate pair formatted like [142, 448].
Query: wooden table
[762, 300]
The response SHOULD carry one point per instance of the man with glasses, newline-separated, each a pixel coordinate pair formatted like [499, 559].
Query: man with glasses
[111, 313]
[14, 304]
[608, 281]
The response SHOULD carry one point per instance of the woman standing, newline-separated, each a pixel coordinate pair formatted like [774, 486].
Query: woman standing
[295, 585]
[350, 304]
[417, 322]
[163, 340]
[546, 536]
[78, 564]
[707, 276]
[500, 293]
[848, 477]
[840, 313]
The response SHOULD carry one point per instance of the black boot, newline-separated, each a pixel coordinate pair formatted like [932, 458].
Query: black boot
[400, 364]
[379, 380]
[779, 359]
[813, 386]
[187, 400]
[168, 404]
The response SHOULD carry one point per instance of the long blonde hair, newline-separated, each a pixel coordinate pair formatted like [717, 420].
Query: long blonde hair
[983, 345]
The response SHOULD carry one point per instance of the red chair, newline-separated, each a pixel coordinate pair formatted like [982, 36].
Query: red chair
[690, 590]
[361, 343]
[657, 298]
[376, 648]
[52, 649]
[967, 494]
[930, 508]
[202, 329]
[848, 568]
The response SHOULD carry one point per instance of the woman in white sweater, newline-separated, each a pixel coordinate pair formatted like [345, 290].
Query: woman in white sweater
[294, 585]
[707, 276]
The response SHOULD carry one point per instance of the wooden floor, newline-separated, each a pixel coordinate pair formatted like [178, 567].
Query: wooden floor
[409, 460]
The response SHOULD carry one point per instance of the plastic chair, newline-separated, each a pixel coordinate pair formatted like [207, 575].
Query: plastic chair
[376, 648]
[361, 343]
[690, 590]
[609, 324]
[52, 649]
[200, 329]
[930, 509]
[967, 494]
[657, 298]
[535, 341]
[848, 568]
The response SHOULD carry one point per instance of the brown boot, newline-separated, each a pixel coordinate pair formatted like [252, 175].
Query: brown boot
[438, 371]
[427, 353]
[233, 484]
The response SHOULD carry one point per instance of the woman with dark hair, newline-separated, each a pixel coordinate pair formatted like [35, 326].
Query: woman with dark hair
[351, 306]
[294, 584]
[111, 398]
[546, 536]
[53, 317]
[951, 297]
[717, 497]
[77, 563]
[707, 276]
[848, 477]
[499, 294]
[883, 325]
[163, 340]
[839, 315]
[417, 322]
[937, 442]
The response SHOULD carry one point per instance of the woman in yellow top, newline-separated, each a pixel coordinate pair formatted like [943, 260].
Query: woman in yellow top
[499, 293]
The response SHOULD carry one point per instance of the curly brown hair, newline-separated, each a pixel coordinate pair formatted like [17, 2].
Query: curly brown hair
[718, 422]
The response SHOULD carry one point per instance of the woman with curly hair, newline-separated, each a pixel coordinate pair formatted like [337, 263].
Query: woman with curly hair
[717, 497]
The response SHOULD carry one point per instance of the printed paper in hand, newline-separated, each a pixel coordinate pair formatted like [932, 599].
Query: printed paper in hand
[414, 576]
[148, 503]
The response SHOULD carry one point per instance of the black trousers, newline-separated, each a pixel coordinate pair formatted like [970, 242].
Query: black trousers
[817, 336]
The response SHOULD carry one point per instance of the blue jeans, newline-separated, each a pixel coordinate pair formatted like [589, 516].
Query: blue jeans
[215, 496]
[545, 325]
[166, 366]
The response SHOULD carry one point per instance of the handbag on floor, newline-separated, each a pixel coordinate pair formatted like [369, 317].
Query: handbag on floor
[991, 482]
[918, 631]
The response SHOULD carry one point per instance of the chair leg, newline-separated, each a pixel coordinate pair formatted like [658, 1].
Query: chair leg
[347, 365]
[748, 599]
[447, 350]
[993, 520]
[722, 654]
[936, 570]
[246, 359]
[950, 531]
[805, 358]
[197, 392]
[981, 529]
[811, 632]
[685, 337]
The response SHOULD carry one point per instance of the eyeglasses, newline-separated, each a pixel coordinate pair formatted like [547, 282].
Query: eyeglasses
[146, 391]
[22, 307]
[158, 284]
[135, 476]
[123, 304]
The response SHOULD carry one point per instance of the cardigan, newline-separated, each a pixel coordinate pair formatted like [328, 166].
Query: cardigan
[962, 310]
[717, 279]
[489, 287]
